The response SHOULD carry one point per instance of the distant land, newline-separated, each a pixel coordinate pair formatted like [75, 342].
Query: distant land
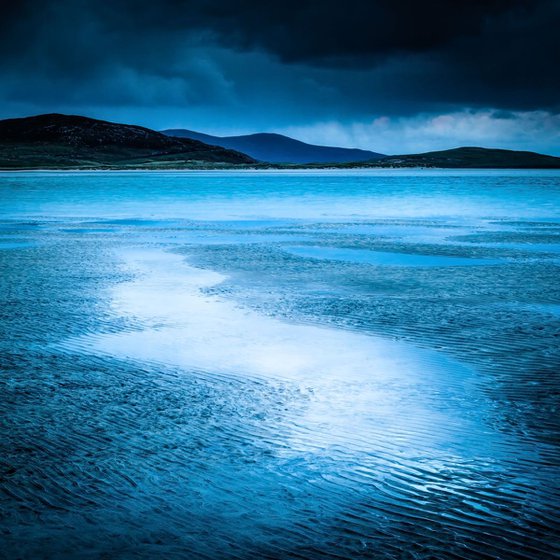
[474, 158]
[56, 141]
[276, 148]
[68, 141]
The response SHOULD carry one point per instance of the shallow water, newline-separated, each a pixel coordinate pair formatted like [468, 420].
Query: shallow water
[383, 258]
[280, 365]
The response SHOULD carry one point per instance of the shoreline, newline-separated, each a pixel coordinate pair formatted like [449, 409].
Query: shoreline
[275, 169]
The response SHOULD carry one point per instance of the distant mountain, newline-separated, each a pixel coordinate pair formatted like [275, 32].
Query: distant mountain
[276, 148]
[55, 141]
[475, 158]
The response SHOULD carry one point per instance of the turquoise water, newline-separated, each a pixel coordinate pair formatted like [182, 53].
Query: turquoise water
[384, 258]
[280, 364]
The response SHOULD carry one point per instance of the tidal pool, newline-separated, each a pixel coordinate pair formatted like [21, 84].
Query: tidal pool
[383, 258]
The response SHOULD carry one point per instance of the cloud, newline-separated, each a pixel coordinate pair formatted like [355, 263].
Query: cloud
[326, 31]
[529, 130]
[251, 65]
[500, 53]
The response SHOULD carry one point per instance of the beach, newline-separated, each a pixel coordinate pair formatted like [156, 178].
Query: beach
[280, 365]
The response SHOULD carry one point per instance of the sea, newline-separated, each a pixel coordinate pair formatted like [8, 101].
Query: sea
[323, 364]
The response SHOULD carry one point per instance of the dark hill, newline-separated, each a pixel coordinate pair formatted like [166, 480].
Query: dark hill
[56, 140]
[474, 158]
[276, 148]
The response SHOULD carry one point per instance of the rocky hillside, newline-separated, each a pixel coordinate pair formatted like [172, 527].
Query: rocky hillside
[54, 140]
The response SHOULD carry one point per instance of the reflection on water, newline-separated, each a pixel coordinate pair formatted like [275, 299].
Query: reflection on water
[280, 365]
[383, 258]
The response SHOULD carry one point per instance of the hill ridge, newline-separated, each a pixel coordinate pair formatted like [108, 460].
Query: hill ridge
[277, 148]
[74, 140]
[474, 157]
[59, 141]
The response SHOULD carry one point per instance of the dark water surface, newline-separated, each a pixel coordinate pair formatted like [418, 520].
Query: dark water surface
[280, 365]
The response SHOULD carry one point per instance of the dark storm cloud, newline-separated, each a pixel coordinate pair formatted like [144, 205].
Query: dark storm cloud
[477, 51]
[348, 32]
[378, 55]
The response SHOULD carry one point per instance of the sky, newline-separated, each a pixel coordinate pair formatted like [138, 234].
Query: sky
[392, 76]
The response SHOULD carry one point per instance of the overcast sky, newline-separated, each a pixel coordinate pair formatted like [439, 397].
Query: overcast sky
[393, 76]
